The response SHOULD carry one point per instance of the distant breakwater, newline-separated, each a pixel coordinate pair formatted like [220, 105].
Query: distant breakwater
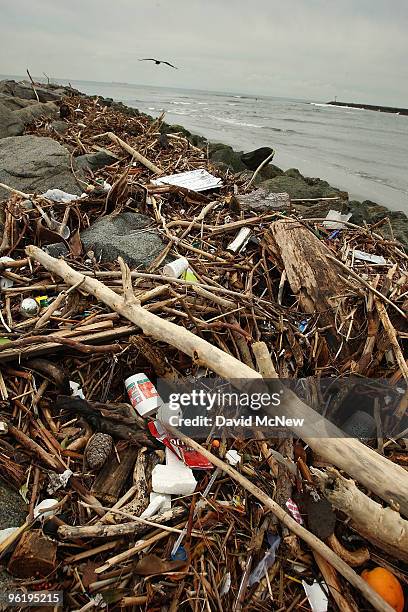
[373, 107]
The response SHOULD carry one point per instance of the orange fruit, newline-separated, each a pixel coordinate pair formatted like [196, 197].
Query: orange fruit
[386, 585]
[215, 443]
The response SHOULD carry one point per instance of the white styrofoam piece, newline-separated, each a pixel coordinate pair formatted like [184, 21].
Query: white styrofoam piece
[57, 195]
[233, 457]
[196, 180]
[159, 502]
[76, 389]
[173, 480]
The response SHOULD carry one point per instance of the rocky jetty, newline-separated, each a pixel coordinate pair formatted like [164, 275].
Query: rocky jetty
[34, 163]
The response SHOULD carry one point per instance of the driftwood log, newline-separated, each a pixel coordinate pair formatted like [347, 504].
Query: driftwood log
[384, 478]
[113, 476]
[383, 527]
[316, 283]
[66, 532]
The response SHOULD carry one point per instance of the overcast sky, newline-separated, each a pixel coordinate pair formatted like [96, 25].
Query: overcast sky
[313, 49]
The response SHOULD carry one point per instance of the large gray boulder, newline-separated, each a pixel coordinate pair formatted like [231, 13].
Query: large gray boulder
[24, 90]
[35, 111]
[16, 113]
[297, 187]
[14, 103]
[129, 235]
[10, 122]
[35, 164]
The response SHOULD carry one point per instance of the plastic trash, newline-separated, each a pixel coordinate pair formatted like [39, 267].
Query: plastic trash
[76, 389]
[3, 428]
[189, 456]
[334, 219]
[58, 481]
[5, 533]
[169, 416]
[176, 268]
[266, 562]
[6, 283]
[159, 502]
[233, 457]
[196, 180]
[29, 308]
[179, 555]
[189, 275]
[294, 510]
[143, 394]
[57, 195]
[46, 509]
[363, 256]
[174, 478]
[317, 597]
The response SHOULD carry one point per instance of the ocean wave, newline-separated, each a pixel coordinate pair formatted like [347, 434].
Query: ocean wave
[179, 102]
[234, 122]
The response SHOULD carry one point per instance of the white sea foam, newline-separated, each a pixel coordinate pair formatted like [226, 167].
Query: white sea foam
[234, 122]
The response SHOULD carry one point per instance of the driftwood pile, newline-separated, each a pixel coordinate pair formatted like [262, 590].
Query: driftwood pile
[294, 303]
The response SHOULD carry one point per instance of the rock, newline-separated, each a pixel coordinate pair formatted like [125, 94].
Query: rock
[94, 161]
[35, 111]
[295, 173]
[13, 118]
[57, 249]
[297, 187]
[230, 158]
[125, 235]
[59, 126]
[253, 159]
[24, 90]
[14, 103]
[13, 509]
[10, 123]
[35, 164]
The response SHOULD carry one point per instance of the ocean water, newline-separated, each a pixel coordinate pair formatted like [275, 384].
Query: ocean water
[362, 152]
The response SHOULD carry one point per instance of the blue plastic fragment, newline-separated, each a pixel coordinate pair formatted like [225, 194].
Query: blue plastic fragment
[303, 326]
[180, 554]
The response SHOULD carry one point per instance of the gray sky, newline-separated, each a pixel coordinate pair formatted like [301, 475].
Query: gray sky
[313, 49]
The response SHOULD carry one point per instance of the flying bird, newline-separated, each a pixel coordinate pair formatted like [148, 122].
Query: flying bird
[157, 62]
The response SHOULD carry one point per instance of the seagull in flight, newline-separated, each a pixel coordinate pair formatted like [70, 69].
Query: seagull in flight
[157, 62]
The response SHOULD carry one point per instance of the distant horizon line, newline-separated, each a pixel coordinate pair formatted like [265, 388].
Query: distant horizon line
[212, 91]
[123, 83]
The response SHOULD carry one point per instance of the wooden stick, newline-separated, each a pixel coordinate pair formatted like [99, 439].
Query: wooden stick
[317, 545]
[137, 156]
[261, 165]
[388, 480]
[383, 527]
[366, 284]
[385, 320]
